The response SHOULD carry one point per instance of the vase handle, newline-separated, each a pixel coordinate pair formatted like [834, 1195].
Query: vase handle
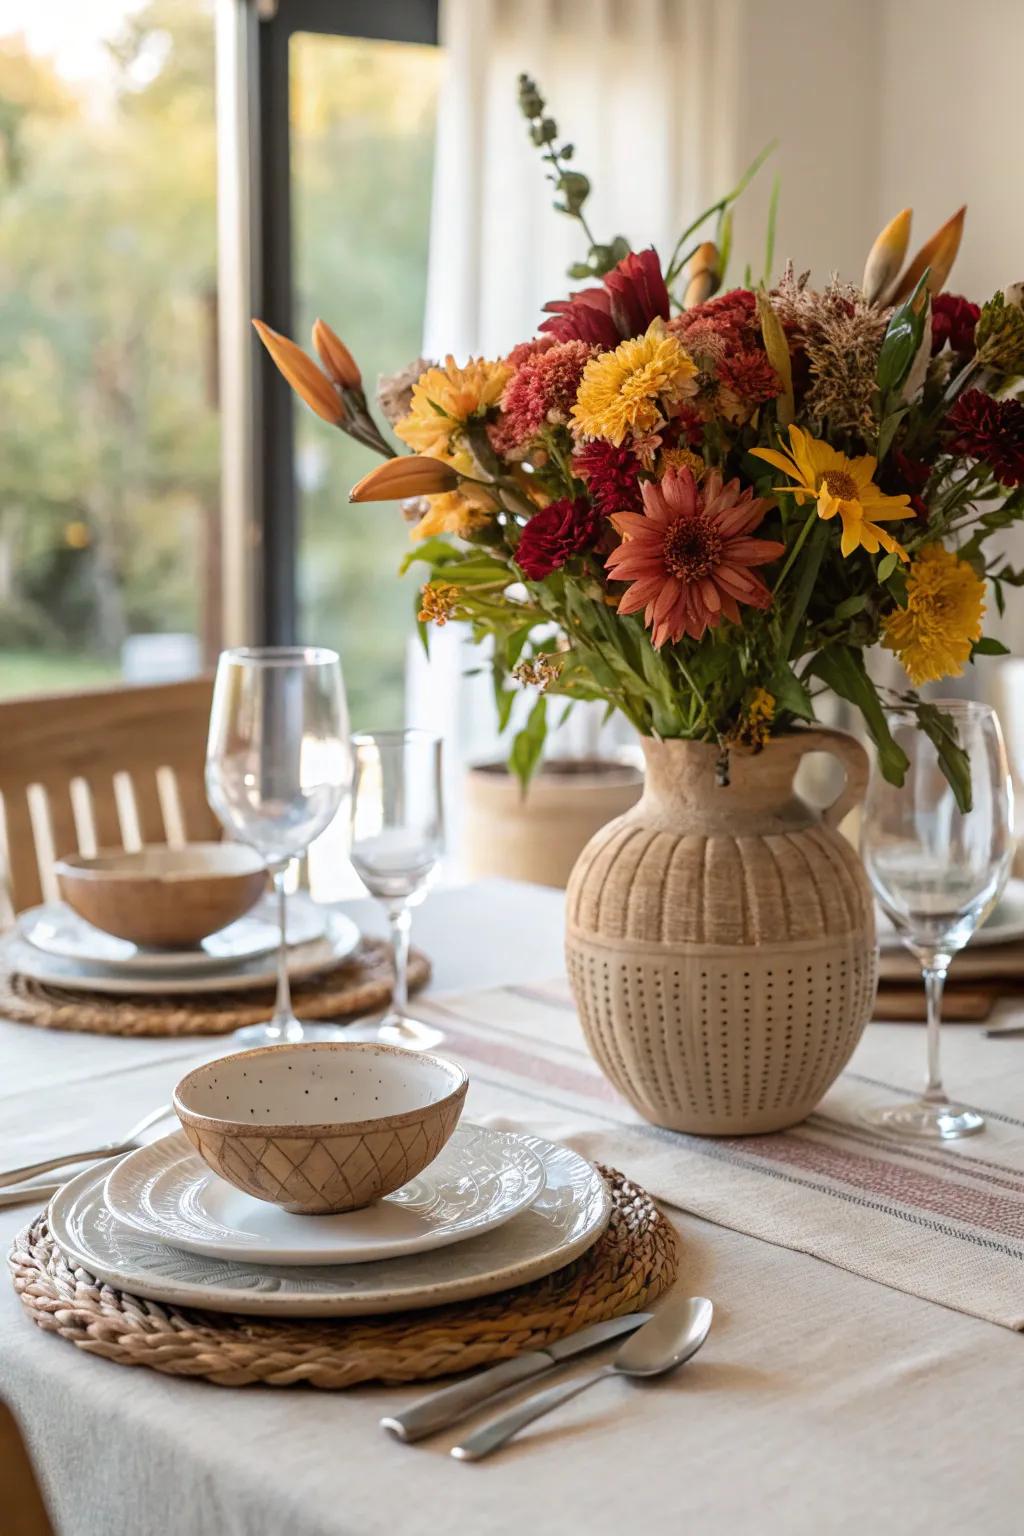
[841, 745]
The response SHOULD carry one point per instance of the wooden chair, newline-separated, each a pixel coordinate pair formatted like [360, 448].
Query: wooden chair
[106, 769]
[22, 1509]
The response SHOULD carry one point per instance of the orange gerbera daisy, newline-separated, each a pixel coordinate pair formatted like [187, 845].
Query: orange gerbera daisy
[688, 555]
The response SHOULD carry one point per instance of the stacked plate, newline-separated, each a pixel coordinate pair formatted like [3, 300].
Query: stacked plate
[55, 946]
[495, 1209]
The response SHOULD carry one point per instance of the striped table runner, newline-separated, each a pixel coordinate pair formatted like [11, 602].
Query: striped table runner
[945, 1223]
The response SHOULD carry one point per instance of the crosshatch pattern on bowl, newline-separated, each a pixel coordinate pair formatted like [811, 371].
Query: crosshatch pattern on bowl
[321, 1128]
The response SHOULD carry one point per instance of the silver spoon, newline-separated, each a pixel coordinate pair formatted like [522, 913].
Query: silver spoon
[673, 1335]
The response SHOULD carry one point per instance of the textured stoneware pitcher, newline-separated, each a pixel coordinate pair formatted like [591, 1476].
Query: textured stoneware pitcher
[721, 939]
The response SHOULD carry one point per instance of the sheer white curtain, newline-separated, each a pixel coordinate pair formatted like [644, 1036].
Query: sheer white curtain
[645, 90]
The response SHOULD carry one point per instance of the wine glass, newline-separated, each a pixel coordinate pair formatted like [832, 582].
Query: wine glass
[278, 764]
[937, 872]
[397, 839]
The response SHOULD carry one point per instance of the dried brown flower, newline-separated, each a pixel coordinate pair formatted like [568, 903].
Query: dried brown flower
[841, 335]
[537, 672]
[394, 390]
[437, 602]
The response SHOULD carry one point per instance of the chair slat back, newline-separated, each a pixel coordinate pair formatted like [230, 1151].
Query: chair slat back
[106, 769]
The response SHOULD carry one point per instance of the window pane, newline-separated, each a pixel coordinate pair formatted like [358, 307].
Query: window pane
[109, 556]
[363, 146]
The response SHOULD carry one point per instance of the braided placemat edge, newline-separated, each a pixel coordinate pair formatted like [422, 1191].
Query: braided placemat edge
[632, 1263]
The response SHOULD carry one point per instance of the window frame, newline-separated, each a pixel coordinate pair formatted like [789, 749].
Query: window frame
[256, 273]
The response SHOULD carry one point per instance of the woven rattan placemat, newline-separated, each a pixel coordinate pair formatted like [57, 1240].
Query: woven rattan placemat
[630, 1265]
[361, 984]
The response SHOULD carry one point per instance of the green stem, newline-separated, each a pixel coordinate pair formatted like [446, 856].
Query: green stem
[801, 539]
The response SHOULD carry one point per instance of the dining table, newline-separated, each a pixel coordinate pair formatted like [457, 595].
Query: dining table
[825, 1400]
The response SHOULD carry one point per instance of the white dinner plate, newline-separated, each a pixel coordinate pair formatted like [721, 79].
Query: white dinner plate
[567, 1217]
[341, 938]
[1004, 924]
[57, 931]
[481, 1179]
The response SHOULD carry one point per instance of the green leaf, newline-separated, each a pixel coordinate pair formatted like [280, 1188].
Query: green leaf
[887, 431]
[529, 744]
[953, 760]
[769, 239]
[842, 669]
[851, 605]
[886, 566]
[435, 551]
[789, 692]
[814, 552]
[620, 249]
[581, 269]
[902, 339]
[989, 646]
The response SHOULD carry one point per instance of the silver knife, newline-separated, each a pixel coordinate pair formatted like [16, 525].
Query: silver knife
[440, 1409]
[27, 1192]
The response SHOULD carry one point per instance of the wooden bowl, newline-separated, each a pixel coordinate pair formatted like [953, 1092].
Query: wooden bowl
[163, 897]
[324, 1127]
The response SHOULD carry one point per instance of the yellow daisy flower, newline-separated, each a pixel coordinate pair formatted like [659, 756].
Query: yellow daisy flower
[932, 635]
[458, 512]
[843, 485]
[443, 400]
[625, 390]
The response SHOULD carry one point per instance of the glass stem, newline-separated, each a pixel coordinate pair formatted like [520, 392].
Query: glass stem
[401, 924]
[284, 1019]
[934, 981]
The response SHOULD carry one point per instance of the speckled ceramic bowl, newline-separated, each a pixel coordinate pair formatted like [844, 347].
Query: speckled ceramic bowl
[321, 1128]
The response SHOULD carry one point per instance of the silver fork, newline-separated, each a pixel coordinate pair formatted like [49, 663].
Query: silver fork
[128, 1143]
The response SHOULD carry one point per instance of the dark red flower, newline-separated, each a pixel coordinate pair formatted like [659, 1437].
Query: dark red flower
[612, 476]
[556, 533]
[903, 476]
[980, 427]
[953, 321]
[633, 295]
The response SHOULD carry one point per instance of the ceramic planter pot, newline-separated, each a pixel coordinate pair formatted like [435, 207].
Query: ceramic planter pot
[721, 939]
[539, 836]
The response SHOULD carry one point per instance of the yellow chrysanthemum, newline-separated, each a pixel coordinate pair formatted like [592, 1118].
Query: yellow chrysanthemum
[625, 390]
[932, 635]
[443, 400]
[458, 512]
[843, 485]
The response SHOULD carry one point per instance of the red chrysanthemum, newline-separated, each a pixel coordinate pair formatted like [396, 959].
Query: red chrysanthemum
[953, 321]
[612, 476]
[633, 295]
[980, 427]
[689, 555]
[540, 393]
[524, 350]
[556, 533]
[723, 336]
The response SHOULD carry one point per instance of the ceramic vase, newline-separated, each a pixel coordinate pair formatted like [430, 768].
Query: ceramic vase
[721, 937]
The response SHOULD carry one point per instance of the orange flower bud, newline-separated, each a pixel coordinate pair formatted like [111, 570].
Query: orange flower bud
[409, 475]
[938, 253]
[303, 375]
[336, 357]
[704, 277]
[886, 256]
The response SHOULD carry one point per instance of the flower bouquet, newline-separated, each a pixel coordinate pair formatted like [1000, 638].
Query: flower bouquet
[702, 507]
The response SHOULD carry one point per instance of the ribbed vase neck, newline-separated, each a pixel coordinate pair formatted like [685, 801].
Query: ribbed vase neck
[683, 788]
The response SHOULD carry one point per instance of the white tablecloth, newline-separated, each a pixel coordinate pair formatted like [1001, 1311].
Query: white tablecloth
[823, 1402]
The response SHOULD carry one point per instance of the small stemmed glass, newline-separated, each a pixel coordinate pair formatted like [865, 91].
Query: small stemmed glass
[937, 872]
[397, 840]
[278, 764]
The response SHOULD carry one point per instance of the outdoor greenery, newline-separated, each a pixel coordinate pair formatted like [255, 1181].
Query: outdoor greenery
[109, 437]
